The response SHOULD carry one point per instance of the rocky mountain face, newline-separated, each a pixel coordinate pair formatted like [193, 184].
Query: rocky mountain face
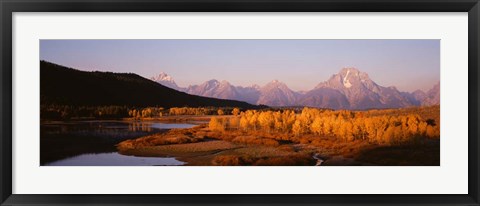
[249, 94]
[166, 80]
[324, 98]
[276, 93]
[431, 97]
[349, 89]
[214, 88]
[361, 92]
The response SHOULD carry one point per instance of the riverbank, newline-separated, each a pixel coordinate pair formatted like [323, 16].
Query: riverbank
[197, 119]
[200, 146]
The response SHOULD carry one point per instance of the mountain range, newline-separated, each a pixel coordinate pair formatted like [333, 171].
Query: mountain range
[61, 85]
[348, 89]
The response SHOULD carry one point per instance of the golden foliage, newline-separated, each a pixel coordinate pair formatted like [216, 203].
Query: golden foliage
[216, 124]
[236, 111]
[378, 126]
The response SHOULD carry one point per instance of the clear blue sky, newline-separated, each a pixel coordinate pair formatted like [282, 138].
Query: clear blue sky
[301, 64]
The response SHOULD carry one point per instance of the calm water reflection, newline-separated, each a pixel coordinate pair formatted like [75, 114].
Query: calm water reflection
[93, 142]
[114, 159]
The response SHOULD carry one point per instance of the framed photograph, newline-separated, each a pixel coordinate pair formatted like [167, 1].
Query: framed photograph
[239, 102]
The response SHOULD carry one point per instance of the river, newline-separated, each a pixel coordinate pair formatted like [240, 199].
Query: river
[92, 143]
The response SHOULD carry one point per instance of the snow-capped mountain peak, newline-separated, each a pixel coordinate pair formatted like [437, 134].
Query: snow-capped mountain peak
[166, 80]
[163, 77]
[354, 89]
[347, 83]
[350, 88]
[213, 81]
[275, 83]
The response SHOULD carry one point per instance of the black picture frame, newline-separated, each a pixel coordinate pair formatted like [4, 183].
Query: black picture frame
[7, 7]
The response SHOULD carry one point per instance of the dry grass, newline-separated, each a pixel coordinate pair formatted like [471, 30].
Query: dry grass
[262, 156]
[224, 153]
[255, 140]
[174, 136]
[230, 160]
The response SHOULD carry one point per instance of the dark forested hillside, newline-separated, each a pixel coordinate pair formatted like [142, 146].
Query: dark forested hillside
[60, 85]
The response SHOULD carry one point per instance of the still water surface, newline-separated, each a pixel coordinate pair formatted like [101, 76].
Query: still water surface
[92, 143]
[114, 159]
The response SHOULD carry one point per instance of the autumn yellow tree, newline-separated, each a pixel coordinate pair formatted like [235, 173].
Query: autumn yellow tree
[216, 124]
[253, 120]
[430, 131]
[317, 126]
[376, 126]
[266, 121]
[328, 125]
[244, 122]
[389, 135]
[234, 122]
[297, 128]
[236, 111]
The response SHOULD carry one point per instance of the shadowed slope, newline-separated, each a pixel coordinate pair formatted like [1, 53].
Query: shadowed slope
[66, 86]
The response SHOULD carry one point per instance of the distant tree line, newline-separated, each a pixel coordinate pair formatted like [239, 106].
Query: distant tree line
[72, 112]
[112, 111]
